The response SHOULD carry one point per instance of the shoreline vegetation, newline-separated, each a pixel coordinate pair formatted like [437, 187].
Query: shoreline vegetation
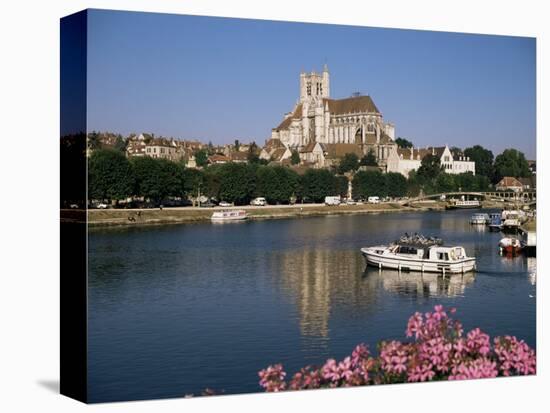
[189, 215]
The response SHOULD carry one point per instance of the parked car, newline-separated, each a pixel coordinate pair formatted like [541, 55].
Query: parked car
[373, 200]
[73, 206]
[226, 204]
[207, 204]
[102, 205]
[260, 201]
[350, 202]
[332, 200]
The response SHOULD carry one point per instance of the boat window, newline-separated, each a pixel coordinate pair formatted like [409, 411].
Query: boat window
[444, 256]
[403, 249]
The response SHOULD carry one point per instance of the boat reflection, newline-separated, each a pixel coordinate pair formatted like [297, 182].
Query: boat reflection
[421, 285]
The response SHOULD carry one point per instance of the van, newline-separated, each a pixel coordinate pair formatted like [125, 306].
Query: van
[373, 200]
[332, 200]
[260, 201]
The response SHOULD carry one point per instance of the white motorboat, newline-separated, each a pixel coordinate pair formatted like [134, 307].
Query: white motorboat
[229, 215]
[511, 219]
[479, 219]
[420, 254]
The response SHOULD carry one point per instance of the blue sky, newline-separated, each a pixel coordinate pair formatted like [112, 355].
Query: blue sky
[224, 79]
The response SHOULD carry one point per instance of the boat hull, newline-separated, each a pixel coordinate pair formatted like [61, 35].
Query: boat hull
[382, 261]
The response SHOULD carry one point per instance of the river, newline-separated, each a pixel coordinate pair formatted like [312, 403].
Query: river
[176, 309]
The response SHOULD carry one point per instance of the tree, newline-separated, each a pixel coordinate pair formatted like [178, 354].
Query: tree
[350, 162]
[445, 183]
[396, 184]
[276, 183]
[511, 162]
[317, 184]
[120, 144]
[295, 158]
[237, 182]
[369, 183]
[157, 179]
[403, 143]
[201, 158]
[237, 145]
[430, 167]
[110, 175]
[369, 159]
[483, 159]
[193, 180]
[94, 143]
[342, 184]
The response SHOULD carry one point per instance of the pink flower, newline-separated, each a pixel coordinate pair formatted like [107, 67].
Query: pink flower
[515, 357]
[420, 372]
[474, 369]
[272, 379]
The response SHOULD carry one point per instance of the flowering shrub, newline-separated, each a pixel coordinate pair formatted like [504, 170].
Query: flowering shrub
[438, 351]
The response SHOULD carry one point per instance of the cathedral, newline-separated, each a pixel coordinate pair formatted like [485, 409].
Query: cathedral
[318, 118]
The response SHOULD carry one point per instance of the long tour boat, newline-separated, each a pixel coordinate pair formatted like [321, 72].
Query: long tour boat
[418, 253]
[229, 215]
[461, 204]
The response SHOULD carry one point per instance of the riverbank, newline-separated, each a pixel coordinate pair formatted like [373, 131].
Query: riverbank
[133, 217]
[188, 215]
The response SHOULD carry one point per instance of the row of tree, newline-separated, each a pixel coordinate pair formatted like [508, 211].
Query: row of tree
[113, 176]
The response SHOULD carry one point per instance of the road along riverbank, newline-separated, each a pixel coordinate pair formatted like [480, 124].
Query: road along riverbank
[133, 217]
[188, 215]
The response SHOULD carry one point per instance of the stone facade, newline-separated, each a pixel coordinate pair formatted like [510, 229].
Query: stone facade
[318, 118]
[405, 160]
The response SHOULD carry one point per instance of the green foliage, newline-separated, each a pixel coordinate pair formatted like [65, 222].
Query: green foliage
[445, 183]
[483, 159]
[110, 175]
[201, 158]
[403, 143]
[349, 162]
[430, 168]
[511, 162]
[317, 184]
[369, 183]
[120, 144]
[396, 184]
[295, 158]
[157, 178]
[193, 180]
[342, 183]
[277, 184]
[93, 141]
[369, 159]
[237, 182]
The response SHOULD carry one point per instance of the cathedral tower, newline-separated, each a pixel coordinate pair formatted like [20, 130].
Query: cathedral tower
[314, 86]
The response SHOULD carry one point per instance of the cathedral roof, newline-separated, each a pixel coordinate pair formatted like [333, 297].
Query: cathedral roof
[356, 104]
[297, 114]
[338, 150]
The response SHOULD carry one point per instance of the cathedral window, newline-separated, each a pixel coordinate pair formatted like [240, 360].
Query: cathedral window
[308, 88]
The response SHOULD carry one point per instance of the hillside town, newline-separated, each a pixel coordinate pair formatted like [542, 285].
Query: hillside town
[347, 137]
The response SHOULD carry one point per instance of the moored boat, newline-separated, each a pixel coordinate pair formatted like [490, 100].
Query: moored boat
[479, 219]
[510, 245]
[420, 254]
[229, 215]
[461, 204]
[495, 223]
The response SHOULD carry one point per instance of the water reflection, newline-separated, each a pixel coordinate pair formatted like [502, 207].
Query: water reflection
[422, 285]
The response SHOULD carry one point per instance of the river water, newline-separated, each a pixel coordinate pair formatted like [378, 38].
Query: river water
[174, 310]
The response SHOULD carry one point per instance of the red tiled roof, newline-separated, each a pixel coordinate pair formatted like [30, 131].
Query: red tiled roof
[356, 104]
